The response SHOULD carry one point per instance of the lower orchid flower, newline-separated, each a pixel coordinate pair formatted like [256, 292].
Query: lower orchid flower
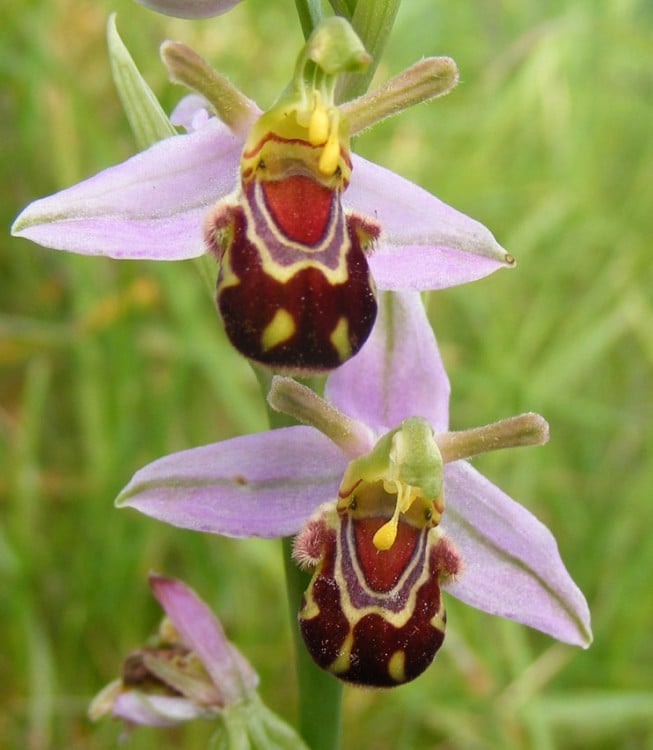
[303, 232]
[190, 671]
[405, 516]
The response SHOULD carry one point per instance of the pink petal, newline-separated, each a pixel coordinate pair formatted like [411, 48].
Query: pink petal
[154, 710]
[422, 267]
[511, 563]
[150, 206]
[192, 112]
[190, 8]
[264, 485]
[398, 373]
[425, 243]
[202, 632]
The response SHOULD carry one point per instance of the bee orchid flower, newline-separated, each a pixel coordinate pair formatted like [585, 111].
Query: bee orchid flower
[379, 453]
[189, 8]
[190, 670]
[304, 232]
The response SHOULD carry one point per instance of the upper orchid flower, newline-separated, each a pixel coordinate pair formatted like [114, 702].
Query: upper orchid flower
[192, 671]
[302, 230]
[190, 8]
[482, 546]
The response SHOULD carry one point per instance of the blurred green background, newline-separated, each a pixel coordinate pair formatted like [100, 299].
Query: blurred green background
[106, 365]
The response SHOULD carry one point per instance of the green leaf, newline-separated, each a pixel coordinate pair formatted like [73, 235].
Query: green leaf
[148, 121]
[597, 713]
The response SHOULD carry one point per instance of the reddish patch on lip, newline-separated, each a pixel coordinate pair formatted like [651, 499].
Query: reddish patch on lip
[383, 568]
[300, 207]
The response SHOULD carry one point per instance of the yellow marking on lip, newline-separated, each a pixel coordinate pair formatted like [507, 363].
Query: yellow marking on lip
[310, 609]
[342, 662]
[279, 329]
[227, 277]
[340, 339]
[397, 666]
[439, 619]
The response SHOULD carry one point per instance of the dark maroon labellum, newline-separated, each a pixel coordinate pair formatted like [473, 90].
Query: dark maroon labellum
[376, 617]
[294, 287]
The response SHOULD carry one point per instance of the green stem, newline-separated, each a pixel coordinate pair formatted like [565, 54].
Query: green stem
[310, 14]
[372, 20]
[343, 8]
[320, 694]
[207, 269]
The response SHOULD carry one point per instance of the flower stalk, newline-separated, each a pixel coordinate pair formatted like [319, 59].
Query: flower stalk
[319, 694]
[372, 20]
[310, 15]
